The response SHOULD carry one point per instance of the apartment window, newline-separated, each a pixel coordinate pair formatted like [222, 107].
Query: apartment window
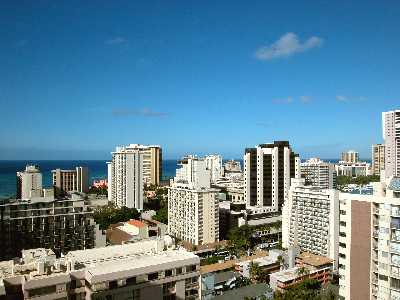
[342, 223]
[343, 245]
[131, 281]
[113, 284]
[342, 234]
[191, 268]
[178, 271]
[168, 273]
[342, 212]
[42, 291]
[152, 276]
[383, 277]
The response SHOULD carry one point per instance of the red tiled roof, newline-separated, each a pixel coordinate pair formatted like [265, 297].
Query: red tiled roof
[136, 223]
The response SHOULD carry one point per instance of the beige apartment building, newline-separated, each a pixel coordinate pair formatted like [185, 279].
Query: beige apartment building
[369, 243]
[72, 180]
[378, 158]
[143, 270]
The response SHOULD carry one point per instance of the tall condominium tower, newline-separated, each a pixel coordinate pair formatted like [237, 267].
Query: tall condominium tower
[29, 183]
[72, 180]
[391, 136]
[214, 164]
[350, 156]
[310, 219]
[369, 243]
[152, 162]
[193, 211]
[319, 173]
[267, 172]
[125, 178]
[378, 158]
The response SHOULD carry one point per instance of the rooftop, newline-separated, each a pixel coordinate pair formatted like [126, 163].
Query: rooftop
[136, 223]
[250, 291]
[314, 260]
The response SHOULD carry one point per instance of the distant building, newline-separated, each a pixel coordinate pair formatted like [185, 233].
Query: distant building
[268, 169]
[214, 164]
[150, 269]
[71, 180]
[310, 220]
[319, 173]
[378, 159]
[29, 183]
[100, 183]
[391, 137]
[125, 177]
[353, 169]
[59, 224]
[193, 214]
[350, 156]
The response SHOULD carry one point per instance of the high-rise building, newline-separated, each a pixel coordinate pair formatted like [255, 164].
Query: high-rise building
[310, 219]
[391, 137]
[350, 156]
[268, 169]
[369, 243]
[378, 159]
[193, 211]
[214, 164]
[319, 173]
[29, 183]
[72, 180]
[59, 224]
[150, 269]
[125, 178]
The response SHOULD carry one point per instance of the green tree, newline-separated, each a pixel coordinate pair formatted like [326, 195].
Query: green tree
[162, 215]
[108, 215]
[239, 237]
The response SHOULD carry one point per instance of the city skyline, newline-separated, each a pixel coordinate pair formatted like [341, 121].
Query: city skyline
[316, 74]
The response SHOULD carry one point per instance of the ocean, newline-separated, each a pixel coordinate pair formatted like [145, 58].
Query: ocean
[97, 170]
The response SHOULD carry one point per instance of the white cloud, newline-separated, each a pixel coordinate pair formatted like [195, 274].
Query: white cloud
[116, 40]
[305, 99]
[287, 100]
[145, 112]
[287, 45]
[341, 98]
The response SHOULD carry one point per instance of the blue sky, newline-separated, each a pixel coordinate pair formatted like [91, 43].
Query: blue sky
[77, 79]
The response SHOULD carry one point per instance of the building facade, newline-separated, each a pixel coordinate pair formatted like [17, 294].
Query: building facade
[71, 180]
[319, 173]
[59, 224]
[214, 164]
[353, 169]
[268, 169]
[391, 137]
[29, 183]
[378, 159]
[310, 220]
[193, 211]
[143, 270]
[350, 156]
[369, 243]
[125, 178]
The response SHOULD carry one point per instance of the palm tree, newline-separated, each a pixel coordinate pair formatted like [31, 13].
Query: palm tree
[255, 271]
[302, 271]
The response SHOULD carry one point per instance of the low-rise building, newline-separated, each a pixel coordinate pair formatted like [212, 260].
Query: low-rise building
[353, 169]
[308, 266]
[127, 232]
[141, 270]
[319, 173]
[268, 264]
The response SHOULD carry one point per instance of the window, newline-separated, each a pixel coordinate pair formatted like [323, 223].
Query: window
[178, 271]
[113, 284]
[191, 268]
[168, 273]
[131, 281]
[152, 276]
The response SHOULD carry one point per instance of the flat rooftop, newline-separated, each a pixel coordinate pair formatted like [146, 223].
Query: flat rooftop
[314, 260]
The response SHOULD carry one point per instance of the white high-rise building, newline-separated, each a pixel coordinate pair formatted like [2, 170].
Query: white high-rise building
[193, 211]
[319, 173]
[29, 183]
[310, 219]
[391, 136]
[369, 243]
[268, 169]
[214, 164]
[125, 178]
